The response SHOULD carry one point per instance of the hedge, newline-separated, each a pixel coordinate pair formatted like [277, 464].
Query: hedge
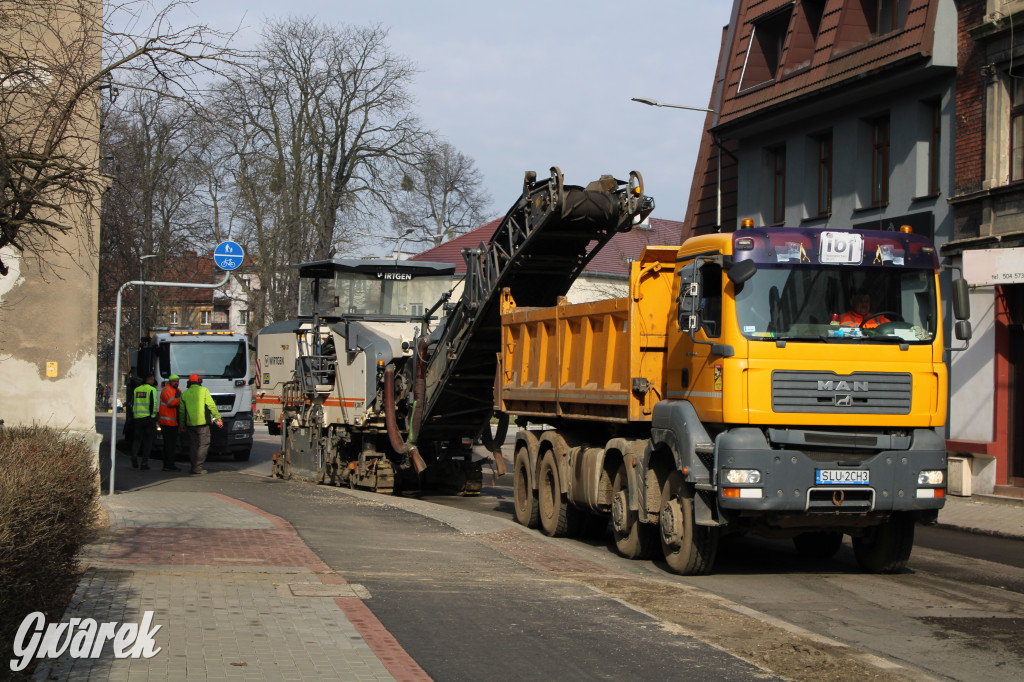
[48, 511]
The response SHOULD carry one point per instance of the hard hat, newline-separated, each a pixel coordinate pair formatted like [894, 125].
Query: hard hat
[195, 379]
[173, 377]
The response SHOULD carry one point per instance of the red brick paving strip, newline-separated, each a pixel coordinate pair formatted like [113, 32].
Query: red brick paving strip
[260, 547]
[521, 545]
[387, 649]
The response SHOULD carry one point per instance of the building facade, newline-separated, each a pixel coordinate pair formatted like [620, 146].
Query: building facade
[48, 294]
[875, 114]
[987, 380]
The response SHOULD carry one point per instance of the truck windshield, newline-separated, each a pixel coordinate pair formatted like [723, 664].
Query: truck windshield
[837, 303]
[356, 293]
[210, 359]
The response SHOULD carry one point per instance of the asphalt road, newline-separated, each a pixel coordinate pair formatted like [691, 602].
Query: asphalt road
[472, 595]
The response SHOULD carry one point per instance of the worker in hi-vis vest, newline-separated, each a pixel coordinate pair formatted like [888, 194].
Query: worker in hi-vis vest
[144, 411]
[170, 398]
[198, 409]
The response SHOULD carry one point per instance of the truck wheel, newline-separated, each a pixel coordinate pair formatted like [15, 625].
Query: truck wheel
[633, 539]
[243, 455]
[819, 545]
[274, 428]
[689, 549]
[886, 548]
[558, 518]
[527, 510]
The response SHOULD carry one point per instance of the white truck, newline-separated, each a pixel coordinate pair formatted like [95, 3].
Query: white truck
[221, 358]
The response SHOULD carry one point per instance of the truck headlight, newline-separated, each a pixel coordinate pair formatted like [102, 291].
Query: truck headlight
[935, 477]
[752, 476]
[242, 425]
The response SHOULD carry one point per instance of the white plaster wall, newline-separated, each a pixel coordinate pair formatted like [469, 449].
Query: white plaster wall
[972, 374]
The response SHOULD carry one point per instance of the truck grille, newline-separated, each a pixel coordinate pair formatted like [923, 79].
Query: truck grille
[828, 392]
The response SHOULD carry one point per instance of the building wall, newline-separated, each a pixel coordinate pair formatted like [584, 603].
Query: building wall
[48, 315]
[851, 163]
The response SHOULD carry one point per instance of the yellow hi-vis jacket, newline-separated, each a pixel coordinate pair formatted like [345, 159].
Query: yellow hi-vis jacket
[144, 401]
[194, 402]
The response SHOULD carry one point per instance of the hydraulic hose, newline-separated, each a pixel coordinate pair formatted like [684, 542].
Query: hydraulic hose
[391, 421]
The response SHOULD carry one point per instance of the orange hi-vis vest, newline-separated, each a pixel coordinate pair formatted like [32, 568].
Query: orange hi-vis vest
[170, 398]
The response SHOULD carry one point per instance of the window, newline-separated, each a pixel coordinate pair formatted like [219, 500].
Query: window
[243, 317]
[824, 146]
[880, 161]
[174, 318]
[764, 52]
[777, 157]
[864, 20]
[888, 16]
[805, 36]
[204, 318]
[934, 147]
[1016, 128]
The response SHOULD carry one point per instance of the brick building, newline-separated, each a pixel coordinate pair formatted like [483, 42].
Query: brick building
[987, 380]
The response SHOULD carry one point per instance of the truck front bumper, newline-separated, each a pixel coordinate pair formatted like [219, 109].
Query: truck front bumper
[829, 480]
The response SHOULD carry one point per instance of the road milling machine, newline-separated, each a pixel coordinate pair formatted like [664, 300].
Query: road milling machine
[393, 380]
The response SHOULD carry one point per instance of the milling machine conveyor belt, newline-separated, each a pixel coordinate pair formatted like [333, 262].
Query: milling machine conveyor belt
[543, 243]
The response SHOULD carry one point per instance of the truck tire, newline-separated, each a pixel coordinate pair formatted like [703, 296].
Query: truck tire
[886, 548]
[633, 540]
[818, 545]
[689, 549]
[527, 509]
[274, 428]
[558, 518]
[243, 455]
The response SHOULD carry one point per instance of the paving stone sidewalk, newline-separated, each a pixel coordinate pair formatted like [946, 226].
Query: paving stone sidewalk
[979, 516]
[236, 592]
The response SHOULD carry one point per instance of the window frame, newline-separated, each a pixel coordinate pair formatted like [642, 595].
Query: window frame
[824, 166]
[205, 318]
[778, 176]
[1016, 113]
[934, 147]
[880, 157]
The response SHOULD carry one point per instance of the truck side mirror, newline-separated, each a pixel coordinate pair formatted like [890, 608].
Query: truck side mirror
[962, 330]
[688, 314]
[742, 271]
[961, 301]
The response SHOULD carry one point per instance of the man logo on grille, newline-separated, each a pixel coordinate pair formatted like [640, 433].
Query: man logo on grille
[843, 400]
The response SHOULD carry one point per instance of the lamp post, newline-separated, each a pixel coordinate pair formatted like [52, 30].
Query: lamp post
[650, 101]
[141, 260]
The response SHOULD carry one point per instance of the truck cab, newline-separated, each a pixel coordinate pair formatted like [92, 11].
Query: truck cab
[221, 358]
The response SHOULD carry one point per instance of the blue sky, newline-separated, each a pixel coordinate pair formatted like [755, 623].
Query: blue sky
[527, 85]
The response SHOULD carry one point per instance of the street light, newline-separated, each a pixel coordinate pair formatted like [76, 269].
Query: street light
[655, 103]
[141, 259]
[650, 101]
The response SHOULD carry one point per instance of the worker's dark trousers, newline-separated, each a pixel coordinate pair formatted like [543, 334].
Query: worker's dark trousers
[170, 434]
[199, 443]
[143, 435]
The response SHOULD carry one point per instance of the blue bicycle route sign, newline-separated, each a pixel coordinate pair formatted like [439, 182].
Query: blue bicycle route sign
[228, 255]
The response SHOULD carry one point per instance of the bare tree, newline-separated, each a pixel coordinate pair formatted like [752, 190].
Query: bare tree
[152, 149]
[442, 197]
[51, 73]
[317, 124]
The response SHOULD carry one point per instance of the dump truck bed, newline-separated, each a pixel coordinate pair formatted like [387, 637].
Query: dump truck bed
[599, 361]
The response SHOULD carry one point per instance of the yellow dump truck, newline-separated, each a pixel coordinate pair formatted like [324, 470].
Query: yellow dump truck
[736, 389]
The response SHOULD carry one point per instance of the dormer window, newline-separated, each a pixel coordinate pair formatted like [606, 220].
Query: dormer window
[764, 53]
